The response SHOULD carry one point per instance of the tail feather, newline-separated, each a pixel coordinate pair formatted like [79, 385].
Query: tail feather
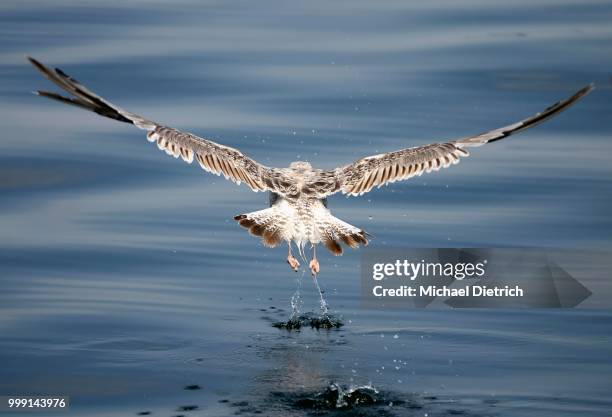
[332, 245]
[334, 230]
[261, 223]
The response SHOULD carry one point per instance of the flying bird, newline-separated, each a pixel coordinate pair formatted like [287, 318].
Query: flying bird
[298, 210]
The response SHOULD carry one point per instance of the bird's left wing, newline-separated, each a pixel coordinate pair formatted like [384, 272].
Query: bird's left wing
[374, 171]
[212, 157]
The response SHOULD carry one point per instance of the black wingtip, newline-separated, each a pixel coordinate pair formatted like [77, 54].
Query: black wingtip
[577, 96]
[39, 66]
[586, 89]
[34, 62]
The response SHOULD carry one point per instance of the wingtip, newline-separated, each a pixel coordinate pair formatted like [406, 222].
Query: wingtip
[37, 64]
[579, 94]
[32, 60]
[587, 89]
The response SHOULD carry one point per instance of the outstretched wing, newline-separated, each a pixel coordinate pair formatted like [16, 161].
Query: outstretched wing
[374, 171]
[212, 157]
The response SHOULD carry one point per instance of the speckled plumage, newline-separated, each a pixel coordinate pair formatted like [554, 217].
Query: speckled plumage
[298, 211]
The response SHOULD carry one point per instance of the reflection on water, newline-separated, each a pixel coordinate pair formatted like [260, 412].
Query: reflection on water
[127, 285]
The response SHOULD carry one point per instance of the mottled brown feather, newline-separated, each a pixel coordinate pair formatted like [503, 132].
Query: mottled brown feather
[271, 237]
[349, 240]
[333, 246]
[257, 230]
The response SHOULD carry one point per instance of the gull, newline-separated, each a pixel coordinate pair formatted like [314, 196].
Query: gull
[298, 194]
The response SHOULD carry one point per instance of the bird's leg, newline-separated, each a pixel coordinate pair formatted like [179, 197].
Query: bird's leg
[293, 263]
[314, 264]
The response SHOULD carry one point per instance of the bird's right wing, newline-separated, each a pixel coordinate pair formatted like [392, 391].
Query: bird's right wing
[212, 157]
[374, 171]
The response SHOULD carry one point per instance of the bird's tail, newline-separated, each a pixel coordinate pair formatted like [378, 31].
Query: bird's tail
[333, 231]
[263, 223]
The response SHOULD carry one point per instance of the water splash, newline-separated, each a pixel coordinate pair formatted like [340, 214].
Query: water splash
[296, 299]
[315, 321]
[324, 307]
[339, 397]
[297, 320]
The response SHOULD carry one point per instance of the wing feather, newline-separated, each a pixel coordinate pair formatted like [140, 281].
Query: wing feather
[211, 156]
[375, 171]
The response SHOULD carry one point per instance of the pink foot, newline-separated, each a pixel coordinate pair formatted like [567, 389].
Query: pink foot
[293, 263]
[314, 267]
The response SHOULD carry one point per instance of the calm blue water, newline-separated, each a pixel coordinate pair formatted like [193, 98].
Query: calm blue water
[124, 278]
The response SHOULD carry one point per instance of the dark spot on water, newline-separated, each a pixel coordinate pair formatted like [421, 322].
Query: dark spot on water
[144, 413]
[345, 401]
[192, 387]
[339, 400]
[491, 401]
[187, 408]
[325, 321]
[224, 400]
[335, 397]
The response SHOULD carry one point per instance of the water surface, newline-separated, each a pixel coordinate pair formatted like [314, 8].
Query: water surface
[125, 280]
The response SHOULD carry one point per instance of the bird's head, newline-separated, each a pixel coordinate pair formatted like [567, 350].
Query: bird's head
[300, 166]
